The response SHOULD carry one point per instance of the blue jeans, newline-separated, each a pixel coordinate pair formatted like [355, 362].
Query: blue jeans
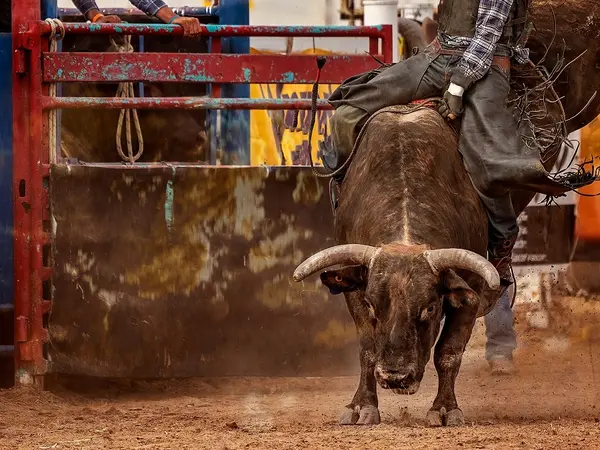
[499, 330]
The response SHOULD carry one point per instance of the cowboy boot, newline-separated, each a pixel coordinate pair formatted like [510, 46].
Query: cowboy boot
[500, 255]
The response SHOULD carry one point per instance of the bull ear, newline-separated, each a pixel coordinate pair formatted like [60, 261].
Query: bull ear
[457, 291]
[345, 279]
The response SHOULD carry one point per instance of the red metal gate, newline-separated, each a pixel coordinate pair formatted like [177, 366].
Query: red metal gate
[43, 196]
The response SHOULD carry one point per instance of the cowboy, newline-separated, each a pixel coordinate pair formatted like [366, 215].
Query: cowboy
[468, 63]
[154, 8]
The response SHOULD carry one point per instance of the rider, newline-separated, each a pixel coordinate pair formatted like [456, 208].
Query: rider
[155, 8]
[469, 63]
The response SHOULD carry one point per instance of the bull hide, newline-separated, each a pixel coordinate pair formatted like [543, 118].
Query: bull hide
[578, 25]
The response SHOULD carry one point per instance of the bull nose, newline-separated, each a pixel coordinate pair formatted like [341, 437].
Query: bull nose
[391, 378]
[388, 373]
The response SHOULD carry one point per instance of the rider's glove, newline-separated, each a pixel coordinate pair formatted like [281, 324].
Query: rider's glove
[452, 103]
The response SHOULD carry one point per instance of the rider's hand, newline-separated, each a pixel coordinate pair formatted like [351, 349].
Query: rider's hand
[108, 19]
[191, 25]
[452, 103]
[94, 15]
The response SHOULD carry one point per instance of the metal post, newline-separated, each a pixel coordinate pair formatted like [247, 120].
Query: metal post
[383, 12]
[28, 192]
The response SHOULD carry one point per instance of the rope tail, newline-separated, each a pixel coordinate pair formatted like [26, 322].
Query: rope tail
[321, 60]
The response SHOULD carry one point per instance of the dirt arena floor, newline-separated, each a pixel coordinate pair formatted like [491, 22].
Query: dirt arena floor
[552, 403]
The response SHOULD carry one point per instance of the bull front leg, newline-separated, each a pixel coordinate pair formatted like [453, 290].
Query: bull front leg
[449, 349]
[363, 410]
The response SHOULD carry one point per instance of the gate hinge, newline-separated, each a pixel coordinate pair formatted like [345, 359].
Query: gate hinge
[22, 329]
[20, 58]
[24, 45]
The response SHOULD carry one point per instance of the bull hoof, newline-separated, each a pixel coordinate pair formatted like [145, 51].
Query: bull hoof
[369, 415]
[435, 418]
[455, 418]
[366, 415]
[441, 418]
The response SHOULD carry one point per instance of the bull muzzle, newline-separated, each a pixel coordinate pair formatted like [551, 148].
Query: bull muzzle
[402, 381]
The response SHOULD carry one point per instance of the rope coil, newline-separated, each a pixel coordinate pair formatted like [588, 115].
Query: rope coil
[126, 90]
[57, 33]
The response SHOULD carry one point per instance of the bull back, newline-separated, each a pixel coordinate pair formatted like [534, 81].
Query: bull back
[407, 183]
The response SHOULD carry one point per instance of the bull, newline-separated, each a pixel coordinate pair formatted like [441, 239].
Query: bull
[411, 237]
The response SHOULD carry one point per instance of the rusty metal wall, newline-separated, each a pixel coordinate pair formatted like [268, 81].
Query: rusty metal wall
[164, 272]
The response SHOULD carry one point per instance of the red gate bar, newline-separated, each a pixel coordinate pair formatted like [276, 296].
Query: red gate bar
[181, 11]
[200, 68]
[377, 31]
[374, 33]
[178, 103]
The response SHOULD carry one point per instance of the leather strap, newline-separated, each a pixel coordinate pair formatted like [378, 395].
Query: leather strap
[502, 62]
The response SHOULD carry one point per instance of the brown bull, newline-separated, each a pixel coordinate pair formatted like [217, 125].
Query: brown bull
[413, 236]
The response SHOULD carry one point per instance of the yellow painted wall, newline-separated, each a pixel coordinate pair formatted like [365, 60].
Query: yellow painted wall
[270, 131]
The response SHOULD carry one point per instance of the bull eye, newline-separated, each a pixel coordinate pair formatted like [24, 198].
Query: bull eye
[338, 278]
[427, 314]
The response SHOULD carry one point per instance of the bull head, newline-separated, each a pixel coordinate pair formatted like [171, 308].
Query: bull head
[401, 292]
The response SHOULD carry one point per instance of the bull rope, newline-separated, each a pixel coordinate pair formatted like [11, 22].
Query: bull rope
[54, 38]
[125, 90]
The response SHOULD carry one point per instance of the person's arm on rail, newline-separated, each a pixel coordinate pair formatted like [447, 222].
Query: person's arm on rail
[477, 59]
[155, 8]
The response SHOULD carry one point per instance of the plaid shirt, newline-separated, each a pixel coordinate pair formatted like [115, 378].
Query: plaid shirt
[479, 50]
[150, 7]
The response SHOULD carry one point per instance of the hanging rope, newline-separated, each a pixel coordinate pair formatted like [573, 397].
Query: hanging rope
[55, 25]
[125, 90]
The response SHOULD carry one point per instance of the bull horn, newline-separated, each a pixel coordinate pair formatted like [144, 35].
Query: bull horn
[458, 258]
[347, 253]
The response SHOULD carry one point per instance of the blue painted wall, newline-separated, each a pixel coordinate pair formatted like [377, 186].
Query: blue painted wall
[235, 130]
[49, 9]
[6, 209]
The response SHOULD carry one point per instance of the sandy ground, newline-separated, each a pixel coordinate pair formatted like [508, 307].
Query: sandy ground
[553, 402]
